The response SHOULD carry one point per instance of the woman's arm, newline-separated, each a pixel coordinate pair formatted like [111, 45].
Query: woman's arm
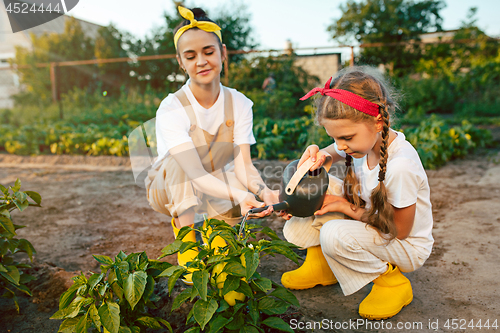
[189, 160]
[249, 176]
[403, 217]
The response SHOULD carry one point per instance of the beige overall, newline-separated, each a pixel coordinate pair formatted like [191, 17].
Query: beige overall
[170, 191]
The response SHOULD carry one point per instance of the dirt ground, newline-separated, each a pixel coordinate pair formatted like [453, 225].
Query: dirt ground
[91, 205]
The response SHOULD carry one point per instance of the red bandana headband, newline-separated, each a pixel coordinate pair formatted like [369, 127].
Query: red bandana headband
[346, 97]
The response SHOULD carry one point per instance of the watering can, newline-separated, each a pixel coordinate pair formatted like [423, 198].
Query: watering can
[302, 191]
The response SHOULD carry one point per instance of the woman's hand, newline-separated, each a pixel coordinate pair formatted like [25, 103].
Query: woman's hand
[270, 197]
[333, 203]
[312, 152]
[250, 202]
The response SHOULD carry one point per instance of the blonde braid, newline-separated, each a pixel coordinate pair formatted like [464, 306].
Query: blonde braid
[381, 213]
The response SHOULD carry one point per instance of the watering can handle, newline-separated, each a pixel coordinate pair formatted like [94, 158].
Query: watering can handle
[304, 168]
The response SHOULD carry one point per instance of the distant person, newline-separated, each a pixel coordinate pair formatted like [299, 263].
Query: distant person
[385, 196]
[269, 84]
[204, 133]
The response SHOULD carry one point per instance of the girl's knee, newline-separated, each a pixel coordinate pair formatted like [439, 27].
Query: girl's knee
[336, 237]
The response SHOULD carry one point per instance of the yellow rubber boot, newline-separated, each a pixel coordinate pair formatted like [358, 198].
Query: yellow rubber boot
[183, 258]
[217, 243]
[314, 271]
[391, 292]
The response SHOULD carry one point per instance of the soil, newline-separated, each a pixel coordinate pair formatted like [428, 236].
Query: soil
[91, 205]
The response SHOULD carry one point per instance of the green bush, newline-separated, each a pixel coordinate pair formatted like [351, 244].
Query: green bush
[437, 143]
[12, 277]
[228, 294]
[116, 299]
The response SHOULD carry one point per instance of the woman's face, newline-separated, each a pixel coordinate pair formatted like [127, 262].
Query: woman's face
[200, 55]
[354, 138]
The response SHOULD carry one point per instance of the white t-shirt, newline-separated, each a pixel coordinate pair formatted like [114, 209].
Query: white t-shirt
[172, 121]
[406, 183]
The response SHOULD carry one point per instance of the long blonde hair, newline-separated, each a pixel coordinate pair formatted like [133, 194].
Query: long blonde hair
[370, 84]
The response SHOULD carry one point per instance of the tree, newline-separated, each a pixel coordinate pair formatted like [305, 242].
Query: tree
[387, 21]
[292, 82]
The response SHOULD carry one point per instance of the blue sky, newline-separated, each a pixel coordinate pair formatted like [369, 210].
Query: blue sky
[274, 21]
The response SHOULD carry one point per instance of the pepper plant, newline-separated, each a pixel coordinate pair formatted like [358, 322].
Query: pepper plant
[116, 300]
[12, 277]
[229, 294]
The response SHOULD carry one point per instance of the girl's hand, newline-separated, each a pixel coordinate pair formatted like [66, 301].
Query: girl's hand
[249, 203]
[311, 152]
[333, 203]
[284, 214]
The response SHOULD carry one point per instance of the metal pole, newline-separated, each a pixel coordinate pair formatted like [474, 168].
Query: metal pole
[226, 69]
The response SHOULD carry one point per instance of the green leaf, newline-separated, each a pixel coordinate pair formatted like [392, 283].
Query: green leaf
[266, 303]
[17, 186]
[200, 281]
[203, 311]
[183, 232]
[219, 323]
[263, 284]
[21, 197]
[169, 271]
[235, 268]
[103, 259]
[134, 287]
[24, 289]
[116, 289]
[173, 278]
[2, 268]
[124, 329]
[135, 329]
[67, 296]
[187, 246]
[245, 289]
[4, 189]
[231, 283]
[249, 329]
[149, 322]
[73, 309]
[278, 323]
[94, 315]
[223, 306]
[166, 323]
[236, 324]
[216, 258]
[21, 205]
[26, 247]
[181, 298]
[82, 325]
[121, 255]
[284, 250]
[7, 224]
[251, 262]
[270, 232]
[193, 330]
[94, 280]
[285, 295]
[123, 267]
[171, 248]
[12, 275]
[109, 313]
[150, 286]
[253, 311]
[35, 196]
[69, 325]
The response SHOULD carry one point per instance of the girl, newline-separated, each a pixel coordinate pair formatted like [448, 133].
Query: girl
[204, 133]
[385, 195]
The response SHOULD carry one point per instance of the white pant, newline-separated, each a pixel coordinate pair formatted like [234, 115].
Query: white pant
[354, 250]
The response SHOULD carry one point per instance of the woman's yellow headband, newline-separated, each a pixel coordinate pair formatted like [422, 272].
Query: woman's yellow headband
[202, 25]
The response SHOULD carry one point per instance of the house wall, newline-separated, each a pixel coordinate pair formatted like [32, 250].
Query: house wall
[322, 65]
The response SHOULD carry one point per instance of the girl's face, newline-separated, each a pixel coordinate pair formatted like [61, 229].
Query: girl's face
[200, 55]
[354, 138]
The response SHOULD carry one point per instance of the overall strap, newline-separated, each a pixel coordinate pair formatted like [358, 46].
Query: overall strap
[228, 107]
[181, 96]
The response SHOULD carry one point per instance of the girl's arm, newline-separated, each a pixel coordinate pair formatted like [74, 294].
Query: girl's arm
[249, 176]
[403, 217]
[313, 150]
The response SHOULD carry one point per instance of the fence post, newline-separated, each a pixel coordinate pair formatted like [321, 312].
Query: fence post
[226, 70]
[352, 56]
[55, 86]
